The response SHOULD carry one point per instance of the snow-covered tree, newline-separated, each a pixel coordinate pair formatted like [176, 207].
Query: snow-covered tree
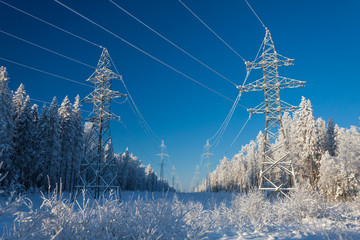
[330, 138]
[50, 144]
[78, 144]
[23, 142]
[307, 145]
[18, 100]
[321, 133]
[340, 174]
[6, 127]
[36, 169]
[66, 137]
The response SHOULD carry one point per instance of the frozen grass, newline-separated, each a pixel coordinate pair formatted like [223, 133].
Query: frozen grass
[188, 216]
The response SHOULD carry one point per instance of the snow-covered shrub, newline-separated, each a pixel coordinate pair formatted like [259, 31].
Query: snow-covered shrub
[251, 210]
[110, 218]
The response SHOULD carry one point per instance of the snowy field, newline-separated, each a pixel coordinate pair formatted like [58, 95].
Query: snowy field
[140, 215]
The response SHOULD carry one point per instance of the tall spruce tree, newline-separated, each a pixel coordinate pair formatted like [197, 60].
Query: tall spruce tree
[330, 138]
[23, 137]
[36, 170]
[6, 129]
[307, 145]
[66, 137]
[78, 144]
[50, 144]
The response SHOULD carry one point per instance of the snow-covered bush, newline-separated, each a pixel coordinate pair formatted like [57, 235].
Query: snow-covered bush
[305, 213]
[251, 210]
[110, 218]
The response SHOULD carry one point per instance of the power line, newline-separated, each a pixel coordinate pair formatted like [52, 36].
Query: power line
[97, 45]
[139, 49]
[241, 130]
[46, 49]
[50, 24]
[137, 143]
[173, 44]
[222, 40]
[255, 14]
[136, 110]
[42, 71]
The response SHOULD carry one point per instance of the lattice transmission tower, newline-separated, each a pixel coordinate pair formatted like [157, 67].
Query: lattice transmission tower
[98, 169]
[277, 172]
[207, 154]
[162, 157]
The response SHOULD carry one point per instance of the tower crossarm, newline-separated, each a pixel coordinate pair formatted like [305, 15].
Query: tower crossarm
[262, 108]
[268, 61]
[162, 155]
[261, 85]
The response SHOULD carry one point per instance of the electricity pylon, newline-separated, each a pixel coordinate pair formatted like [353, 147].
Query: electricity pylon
[277, 172]
[162, 155]
[173, 173]
[98, 169]
[207, 154]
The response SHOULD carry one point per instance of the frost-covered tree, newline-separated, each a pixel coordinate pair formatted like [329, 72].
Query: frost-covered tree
[23, 142]
[78, 144]
[307, 145]
[66, 139]
[149, 179]
[50, 144]
[340, 174]
[36, 170]
[123, 161]
[330, 138]
[321, 134]
[6, 127]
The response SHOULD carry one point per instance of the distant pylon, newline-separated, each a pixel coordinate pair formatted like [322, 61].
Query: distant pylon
[277, 172]
[197, 176]
[173, 173]
[98, 169]
[207, 154]
[162, 155]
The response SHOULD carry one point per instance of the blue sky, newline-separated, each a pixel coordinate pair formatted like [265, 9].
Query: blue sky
[322, 37]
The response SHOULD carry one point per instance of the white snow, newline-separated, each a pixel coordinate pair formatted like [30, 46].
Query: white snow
[144, 215]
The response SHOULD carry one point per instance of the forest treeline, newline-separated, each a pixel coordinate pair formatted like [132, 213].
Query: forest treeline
[326, 158]
[42, 149]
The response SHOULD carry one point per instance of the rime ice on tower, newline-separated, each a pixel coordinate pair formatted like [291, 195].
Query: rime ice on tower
[277, 173]
[98, 169]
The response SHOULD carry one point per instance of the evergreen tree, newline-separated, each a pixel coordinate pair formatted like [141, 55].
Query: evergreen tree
[18, 100]
[36, 170]
[6, 128]
[330, 138]
[49, 144]
[321, 133]
[22, 140]
[78, 146]
[66, 139]
[307, 145]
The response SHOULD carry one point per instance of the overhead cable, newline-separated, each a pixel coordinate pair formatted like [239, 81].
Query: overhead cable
[144, 52]
[255, 14]
[173, 44]
[222, 40]
[46, 49]
[48, 73]
[50, 24]
[136, 110]
[137, 143]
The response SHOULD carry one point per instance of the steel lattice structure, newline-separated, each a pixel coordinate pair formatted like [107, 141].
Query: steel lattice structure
[98, 169]
[207, 154]
[277, 173]
[162, 155]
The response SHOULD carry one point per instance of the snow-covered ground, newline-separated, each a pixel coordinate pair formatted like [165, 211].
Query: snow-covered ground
[141, 215]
